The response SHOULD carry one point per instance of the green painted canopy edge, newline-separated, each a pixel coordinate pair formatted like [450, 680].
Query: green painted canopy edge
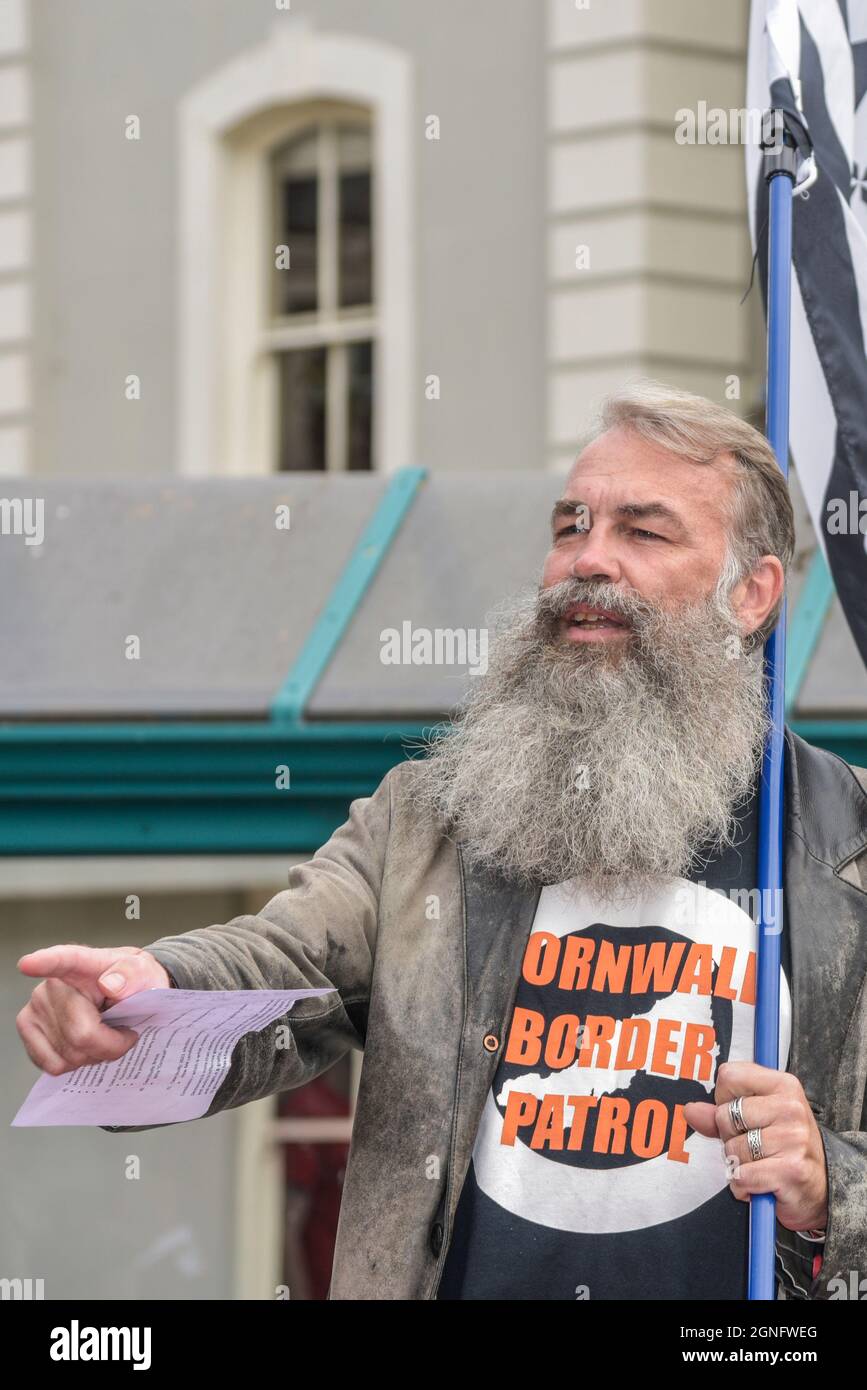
[191, 788]
[212, 787]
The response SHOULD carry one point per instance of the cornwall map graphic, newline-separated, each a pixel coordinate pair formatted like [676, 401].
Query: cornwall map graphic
[618, 1022]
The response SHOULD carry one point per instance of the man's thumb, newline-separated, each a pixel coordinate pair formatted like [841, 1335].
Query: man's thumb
[127, 975]
[701, 1116]
[113, 983]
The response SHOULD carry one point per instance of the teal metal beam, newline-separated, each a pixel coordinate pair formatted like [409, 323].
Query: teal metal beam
[324, 638]
[805, 625]
[183, 788]
[212, 787]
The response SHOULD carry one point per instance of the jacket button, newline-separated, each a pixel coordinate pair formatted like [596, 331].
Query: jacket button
[436, 1237]
[491, 1042]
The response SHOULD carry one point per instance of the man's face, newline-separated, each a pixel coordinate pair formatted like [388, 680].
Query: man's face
[657, 528]
[615, 754]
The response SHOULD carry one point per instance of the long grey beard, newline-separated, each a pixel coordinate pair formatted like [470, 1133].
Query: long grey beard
[620, 770]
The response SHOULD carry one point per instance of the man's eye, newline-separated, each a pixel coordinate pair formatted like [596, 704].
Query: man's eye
[646, 535]
[573, 529]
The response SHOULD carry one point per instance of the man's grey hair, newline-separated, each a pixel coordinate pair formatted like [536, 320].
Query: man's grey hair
[760, 513]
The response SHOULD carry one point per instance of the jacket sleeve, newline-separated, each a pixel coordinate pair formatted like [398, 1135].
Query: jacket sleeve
[842, 1257]
[320, 932]
[845, 1248]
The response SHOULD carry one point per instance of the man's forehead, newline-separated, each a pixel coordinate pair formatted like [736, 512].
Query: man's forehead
[619, 463]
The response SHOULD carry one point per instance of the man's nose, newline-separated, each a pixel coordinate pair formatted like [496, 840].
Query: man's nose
[595, 559]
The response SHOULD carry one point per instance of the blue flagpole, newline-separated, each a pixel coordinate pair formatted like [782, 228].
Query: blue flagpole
[780, 169]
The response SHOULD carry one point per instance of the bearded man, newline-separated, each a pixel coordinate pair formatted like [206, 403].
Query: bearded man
[542, 933]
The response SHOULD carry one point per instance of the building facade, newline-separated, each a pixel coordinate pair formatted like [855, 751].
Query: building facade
[238, 240]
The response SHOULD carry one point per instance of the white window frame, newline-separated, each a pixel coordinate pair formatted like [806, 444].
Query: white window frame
[227, 413]
[330, 327]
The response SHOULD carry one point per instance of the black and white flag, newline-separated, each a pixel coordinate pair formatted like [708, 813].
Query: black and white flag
[809, 57]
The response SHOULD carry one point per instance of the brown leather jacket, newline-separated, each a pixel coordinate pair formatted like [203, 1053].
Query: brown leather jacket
[424, 956]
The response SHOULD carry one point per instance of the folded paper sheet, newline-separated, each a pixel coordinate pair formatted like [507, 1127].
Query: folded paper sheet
[173, 1072]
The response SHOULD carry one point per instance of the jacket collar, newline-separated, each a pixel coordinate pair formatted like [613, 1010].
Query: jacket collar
[826, 805]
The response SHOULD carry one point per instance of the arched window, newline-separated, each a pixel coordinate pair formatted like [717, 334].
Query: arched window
[322, 316]
[303, 142]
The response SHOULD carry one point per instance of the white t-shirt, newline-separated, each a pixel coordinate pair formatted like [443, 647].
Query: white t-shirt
[585, 1179]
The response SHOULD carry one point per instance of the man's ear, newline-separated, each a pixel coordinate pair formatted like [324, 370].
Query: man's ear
[753, 598]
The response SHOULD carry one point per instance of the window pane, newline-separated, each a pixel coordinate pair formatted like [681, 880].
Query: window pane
[296, 193]
[302, 409]
[360, 434]
[313, 1177]
[355, 245]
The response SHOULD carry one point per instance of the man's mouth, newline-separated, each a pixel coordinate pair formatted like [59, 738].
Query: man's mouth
[584, 623]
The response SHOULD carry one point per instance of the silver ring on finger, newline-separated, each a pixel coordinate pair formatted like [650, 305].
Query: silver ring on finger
[737, 1115]
[754, 1139]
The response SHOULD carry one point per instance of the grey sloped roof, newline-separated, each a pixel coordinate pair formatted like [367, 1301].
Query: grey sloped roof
[222, 600]
[468, 542]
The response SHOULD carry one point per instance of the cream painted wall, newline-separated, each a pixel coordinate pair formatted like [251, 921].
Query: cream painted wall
[665, 224]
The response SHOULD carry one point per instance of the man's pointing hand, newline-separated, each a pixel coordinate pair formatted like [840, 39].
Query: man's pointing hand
[60, 1026]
